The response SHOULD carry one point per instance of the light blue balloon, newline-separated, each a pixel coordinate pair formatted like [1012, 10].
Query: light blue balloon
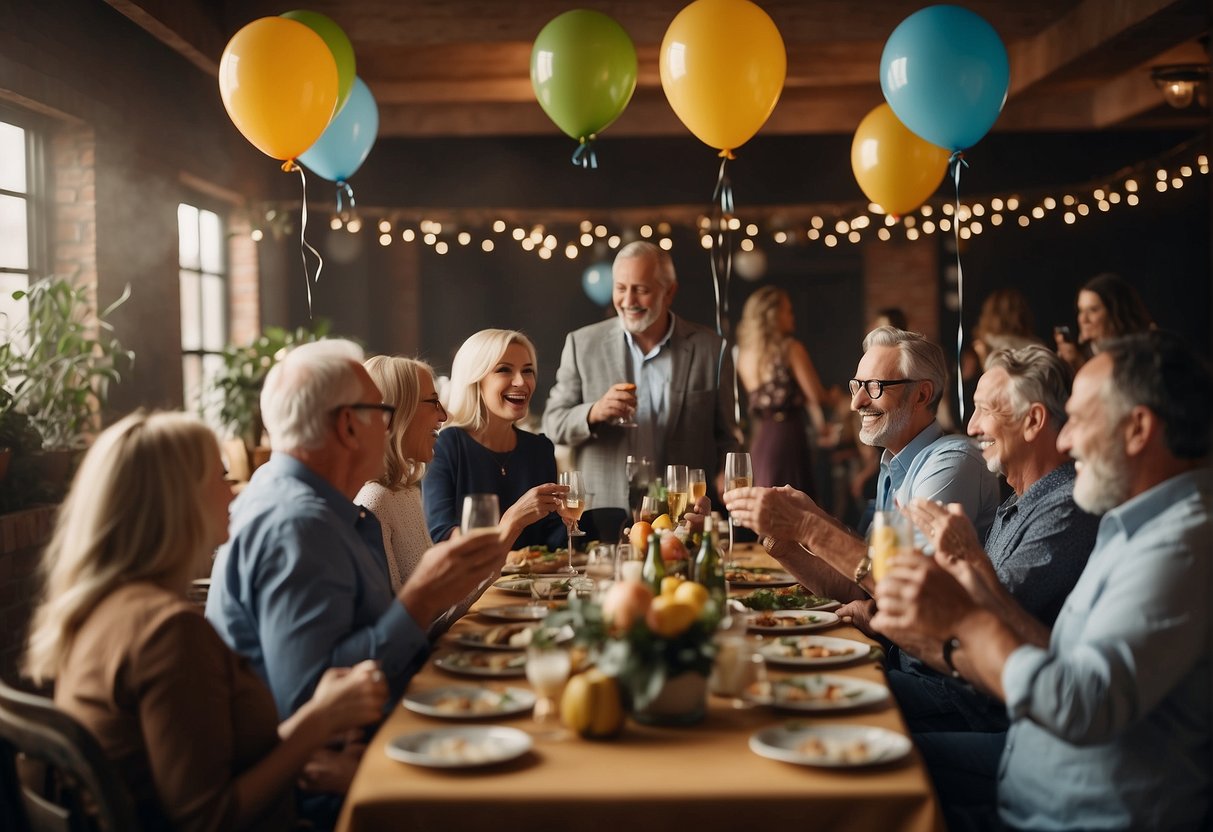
[596, 281]
[945, 73]
[346, 142]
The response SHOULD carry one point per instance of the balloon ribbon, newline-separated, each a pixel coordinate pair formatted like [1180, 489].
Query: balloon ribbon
[722, 266]
[955, 162]
[304, 246]
[584, 156]
[343, 187]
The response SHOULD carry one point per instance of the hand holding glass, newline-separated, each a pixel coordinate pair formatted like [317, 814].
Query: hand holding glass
[678, 486]
[889, 536]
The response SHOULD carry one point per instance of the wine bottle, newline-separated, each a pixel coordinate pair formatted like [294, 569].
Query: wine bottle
[709, 568]
[654, 566]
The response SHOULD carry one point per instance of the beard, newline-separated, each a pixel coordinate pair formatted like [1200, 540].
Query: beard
[894, 423]
[995, 466]
[1103, 480]
[633, 325]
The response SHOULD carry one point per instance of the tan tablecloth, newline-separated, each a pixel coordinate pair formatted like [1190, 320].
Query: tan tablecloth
[697, 778]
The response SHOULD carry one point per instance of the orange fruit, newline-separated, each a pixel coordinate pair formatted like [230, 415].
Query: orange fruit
[639, 536]
[669, 618]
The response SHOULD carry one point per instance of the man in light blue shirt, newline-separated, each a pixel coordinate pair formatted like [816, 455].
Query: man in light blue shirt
[1110, 712]
[302, 584]
[899, 383]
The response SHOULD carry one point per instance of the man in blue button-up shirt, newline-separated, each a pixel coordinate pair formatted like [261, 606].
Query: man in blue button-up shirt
[1110, 712]
[302, 584]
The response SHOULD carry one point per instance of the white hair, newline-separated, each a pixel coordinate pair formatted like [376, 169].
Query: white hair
[644, 250]
[302, 390]
[917, 358]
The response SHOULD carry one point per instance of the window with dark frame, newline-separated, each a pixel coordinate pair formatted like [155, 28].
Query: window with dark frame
[204, 301]
[23, 249]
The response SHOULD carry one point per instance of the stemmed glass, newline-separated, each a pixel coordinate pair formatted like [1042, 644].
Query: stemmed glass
[481, 514]
[639, 471]
[677, 484]
[738, 473]
[574, 503]
[699, 484]
[547, 669]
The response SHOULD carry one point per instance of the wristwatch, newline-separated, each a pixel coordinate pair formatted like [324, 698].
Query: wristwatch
[950, 646]
[863, 569]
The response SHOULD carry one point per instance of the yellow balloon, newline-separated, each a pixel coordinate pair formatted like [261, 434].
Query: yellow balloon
[723, 64]
[278, 80]
[895, 168]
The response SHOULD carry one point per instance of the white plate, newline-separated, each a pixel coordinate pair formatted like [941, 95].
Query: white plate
[521, 584]
[851, 650]
[842, 746]
[475, 663]
[760, 578]
[475, 638]
[798, 621]
[466, 702]
[464, 746]
[517, 612]
[809, 693]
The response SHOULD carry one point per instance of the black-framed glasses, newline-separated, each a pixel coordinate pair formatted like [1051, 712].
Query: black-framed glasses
[386, 409]
[437, 403]
[874, 387]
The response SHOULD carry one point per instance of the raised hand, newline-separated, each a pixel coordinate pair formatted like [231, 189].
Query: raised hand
[619, 402]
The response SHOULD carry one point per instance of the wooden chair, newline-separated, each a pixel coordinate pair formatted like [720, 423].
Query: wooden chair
[87, 795]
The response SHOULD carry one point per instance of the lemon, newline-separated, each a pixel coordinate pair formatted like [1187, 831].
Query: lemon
[670, 583]
[668, 618]
[692, 594]
[663, 522]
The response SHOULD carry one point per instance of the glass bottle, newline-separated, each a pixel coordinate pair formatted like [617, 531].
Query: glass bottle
[709, 567]
[654, 566]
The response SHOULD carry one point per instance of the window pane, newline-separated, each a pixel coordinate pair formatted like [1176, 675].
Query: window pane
[13, 313]
[14, 233]
[210, 241]
[191, 312]
[187, 235]
[191, 375]
[12, 158]
[212, 365]
[213, 302]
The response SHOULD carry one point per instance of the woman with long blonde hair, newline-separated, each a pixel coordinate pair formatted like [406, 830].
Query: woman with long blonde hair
[188, 725]
[482, 451]
[780, 381]
[395, 498]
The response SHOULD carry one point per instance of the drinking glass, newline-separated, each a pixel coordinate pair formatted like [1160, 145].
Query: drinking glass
[678, 487]
[546, 590]
[481, 513]
[600, 562]
[648, 509]
[547, 669]
[699, 484]
[739, 668]
[627, 421]
[639, 471]
[623, 553]
[738, 473]
[574, 504]
[891, 534]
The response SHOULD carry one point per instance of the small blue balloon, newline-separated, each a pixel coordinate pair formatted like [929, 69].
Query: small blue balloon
[346, 142]
[945, 73]
[596, 280]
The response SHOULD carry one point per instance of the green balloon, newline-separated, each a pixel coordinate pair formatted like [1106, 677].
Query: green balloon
[583, 69]
[338, 43]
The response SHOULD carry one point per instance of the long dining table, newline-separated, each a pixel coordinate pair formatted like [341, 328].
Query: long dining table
[700, 777]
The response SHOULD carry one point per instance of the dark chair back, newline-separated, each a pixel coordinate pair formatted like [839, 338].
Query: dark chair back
[603, 524]
[88, 794]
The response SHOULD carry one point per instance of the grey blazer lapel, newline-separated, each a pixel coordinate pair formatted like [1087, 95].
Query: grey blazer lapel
[680, 370]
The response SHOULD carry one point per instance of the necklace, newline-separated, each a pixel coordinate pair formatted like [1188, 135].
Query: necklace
[502, 459]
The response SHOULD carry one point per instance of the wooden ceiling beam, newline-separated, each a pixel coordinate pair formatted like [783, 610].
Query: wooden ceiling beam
[186, 26]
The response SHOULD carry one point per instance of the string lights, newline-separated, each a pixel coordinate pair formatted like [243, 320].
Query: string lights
[563, 234]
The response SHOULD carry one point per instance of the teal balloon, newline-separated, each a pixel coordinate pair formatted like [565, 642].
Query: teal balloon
[583, 70]
[347, 141]
[596, 281]
[945, 73]
[338, 43]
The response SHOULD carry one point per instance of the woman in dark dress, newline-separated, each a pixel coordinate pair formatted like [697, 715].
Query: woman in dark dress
[780, 382]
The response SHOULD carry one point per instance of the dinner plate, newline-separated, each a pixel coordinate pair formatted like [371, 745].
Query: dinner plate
[830, 746]
[467, 702]
[463, 746]
[781, 603]
[845, 649]
[819, 692]
[476, 663]
[757, 577]
[791, 621]
[517, 612]
[475, 638]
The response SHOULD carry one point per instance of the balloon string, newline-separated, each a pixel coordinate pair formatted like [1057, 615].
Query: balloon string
[956, 161]
[721, 236]
[343, 188]
[304, 246]
[584, 156]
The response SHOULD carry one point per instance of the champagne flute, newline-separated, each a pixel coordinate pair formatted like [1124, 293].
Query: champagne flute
[481, 514]
[648, 509]
[547, 669]
[738, 473]
[677, 490]
[699, 484]
[574, 504]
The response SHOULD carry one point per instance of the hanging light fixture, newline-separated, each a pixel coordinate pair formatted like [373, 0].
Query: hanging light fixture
[1181, 84]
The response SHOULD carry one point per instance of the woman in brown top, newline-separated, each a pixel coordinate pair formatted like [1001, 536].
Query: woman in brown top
[193, 731]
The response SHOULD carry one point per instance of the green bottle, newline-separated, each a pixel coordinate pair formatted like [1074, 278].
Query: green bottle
[654, 566]
[709, 568]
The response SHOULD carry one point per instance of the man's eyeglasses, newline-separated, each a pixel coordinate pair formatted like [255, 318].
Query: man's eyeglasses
[874, 387]
[385, 409]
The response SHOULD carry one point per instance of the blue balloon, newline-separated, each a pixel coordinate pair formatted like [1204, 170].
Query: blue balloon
[945, 73]
[596, 280]
[346, 142]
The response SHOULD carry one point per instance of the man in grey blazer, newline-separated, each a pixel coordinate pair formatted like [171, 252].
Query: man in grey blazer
[669, 375]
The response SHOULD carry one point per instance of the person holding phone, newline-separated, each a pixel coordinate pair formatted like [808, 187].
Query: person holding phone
[1107, 307]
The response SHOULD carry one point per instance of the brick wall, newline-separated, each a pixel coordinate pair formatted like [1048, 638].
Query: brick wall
[71, 161]
[22, 536]
[904, 274]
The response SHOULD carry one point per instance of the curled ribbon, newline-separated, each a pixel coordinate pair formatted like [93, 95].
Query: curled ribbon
[722, 266]
[955, 161]
[584, 156]
[343, 188]
[304, 246]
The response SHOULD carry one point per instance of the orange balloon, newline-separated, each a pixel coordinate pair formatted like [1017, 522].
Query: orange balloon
[894, 167]
[723, 65]
[278, 80]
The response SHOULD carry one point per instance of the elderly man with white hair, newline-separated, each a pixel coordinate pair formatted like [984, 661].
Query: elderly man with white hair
[302, 584]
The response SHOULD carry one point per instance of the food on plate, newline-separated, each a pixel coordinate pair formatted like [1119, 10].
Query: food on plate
[813, 689]
[754, 576]
[503, 635]
[480, 702]
[495, 662]
[456, 749]
[787, 598]
[840, 751]
[766, 619]
[806, 648]
[538, 559]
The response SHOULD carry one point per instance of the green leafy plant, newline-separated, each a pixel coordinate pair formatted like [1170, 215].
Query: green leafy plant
[235, 392]
[61, 362]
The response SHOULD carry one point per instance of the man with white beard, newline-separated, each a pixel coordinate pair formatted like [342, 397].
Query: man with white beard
[899, 383]
[668, 376]
[1110, 719]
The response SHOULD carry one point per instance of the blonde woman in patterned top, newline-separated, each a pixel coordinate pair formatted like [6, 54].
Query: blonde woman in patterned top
[395, 498]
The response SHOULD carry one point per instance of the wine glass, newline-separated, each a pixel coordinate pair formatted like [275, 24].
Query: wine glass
[626, 421]
[678, 489]
[738, 473]
[699, 484]
[547, 669]
[481, 514]
[574, 504]
[639, 471]
[648, 509]
[600, 566]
